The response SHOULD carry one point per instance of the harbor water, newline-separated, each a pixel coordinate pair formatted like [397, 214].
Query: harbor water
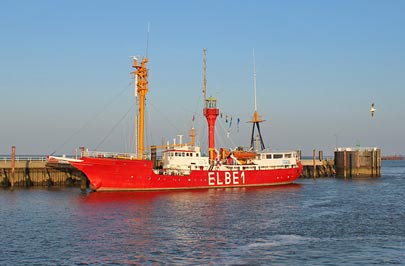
[324, 221]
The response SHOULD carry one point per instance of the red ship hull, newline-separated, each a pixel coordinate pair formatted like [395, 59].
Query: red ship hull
[106, 174]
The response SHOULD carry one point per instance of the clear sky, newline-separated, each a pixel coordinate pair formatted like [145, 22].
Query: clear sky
[65, 82]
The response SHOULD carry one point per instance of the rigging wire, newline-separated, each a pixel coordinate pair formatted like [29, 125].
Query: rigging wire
[129, 138]
[92, 119]
[148, 133]
[164, 116]
[221, 139]
[114, 127]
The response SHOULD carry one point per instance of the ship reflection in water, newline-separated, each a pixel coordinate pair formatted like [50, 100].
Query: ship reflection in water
[142, 197]
[190, 226]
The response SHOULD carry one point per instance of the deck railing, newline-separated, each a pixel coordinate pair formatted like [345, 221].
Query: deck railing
[100, 154]
[24, 158]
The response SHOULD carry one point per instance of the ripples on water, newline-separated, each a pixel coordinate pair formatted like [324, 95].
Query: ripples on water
[314, 222]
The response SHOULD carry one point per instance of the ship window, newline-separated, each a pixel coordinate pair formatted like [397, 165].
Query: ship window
[278, 156]
[176, 154]
[287, 155]
[268, 156]
[182, 154]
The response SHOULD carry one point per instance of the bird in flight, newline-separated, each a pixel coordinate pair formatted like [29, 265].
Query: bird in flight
[372, 110]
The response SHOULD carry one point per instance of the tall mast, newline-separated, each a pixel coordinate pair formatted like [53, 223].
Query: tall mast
[254, 77]
[211, 113]
[141, 74]
[205, 74]
[256, 120]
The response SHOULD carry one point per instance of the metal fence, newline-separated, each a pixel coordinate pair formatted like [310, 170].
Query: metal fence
[24, 158]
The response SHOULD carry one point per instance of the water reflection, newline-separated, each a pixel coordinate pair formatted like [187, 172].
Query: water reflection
[179, 226]
[143, 197]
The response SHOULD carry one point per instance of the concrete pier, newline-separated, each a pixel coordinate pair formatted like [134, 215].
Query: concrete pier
[27, 172]
[318, 168]
[358, 162]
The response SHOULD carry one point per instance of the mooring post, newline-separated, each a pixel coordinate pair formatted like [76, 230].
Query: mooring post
[372, 162]
[344, 164]
[378, 159]
[12, 164]
[314, 163]
[83, 183]
[320, 155]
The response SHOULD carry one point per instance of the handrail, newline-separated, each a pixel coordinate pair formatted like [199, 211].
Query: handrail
[100, 154]
[24, 158]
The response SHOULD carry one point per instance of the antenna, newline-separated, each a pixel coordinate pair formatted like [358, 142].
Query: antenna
[205, 74]
[256, 120]
[254, 77]
[147, 40]
[135, 62]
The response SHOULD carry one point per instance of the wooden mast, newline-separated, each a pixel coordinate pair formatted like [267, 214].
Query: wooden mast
[141, 73]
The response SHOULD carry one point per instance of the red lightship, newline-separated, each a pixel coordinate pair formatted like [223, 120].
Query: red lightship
[182, 165]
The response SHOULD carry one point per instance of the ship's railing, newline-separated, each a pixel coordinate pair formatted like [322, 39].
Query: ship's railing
[115, 155]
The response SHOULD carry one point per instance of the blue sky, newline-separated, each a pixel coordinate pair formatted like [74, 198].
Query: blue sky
[65, 82]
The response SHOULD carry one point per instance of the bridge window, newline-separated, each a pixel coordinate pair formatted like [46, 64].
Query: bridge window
[278, 156]
[287, 155]
[268, 156]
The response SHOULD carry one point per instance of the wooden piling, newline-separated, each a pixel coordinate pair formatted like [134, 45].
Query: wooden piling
[12, 161]
[314, 163]
[344, 164]
[83, 183]
[372, 163]
[357, 163]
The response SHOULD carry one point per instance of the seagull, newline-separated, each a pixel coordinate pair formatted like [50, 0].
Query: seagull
[372, 110]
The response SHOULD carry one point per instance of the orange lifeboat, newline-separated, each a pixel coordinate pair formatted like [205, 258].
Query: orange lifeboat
[244, 155]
